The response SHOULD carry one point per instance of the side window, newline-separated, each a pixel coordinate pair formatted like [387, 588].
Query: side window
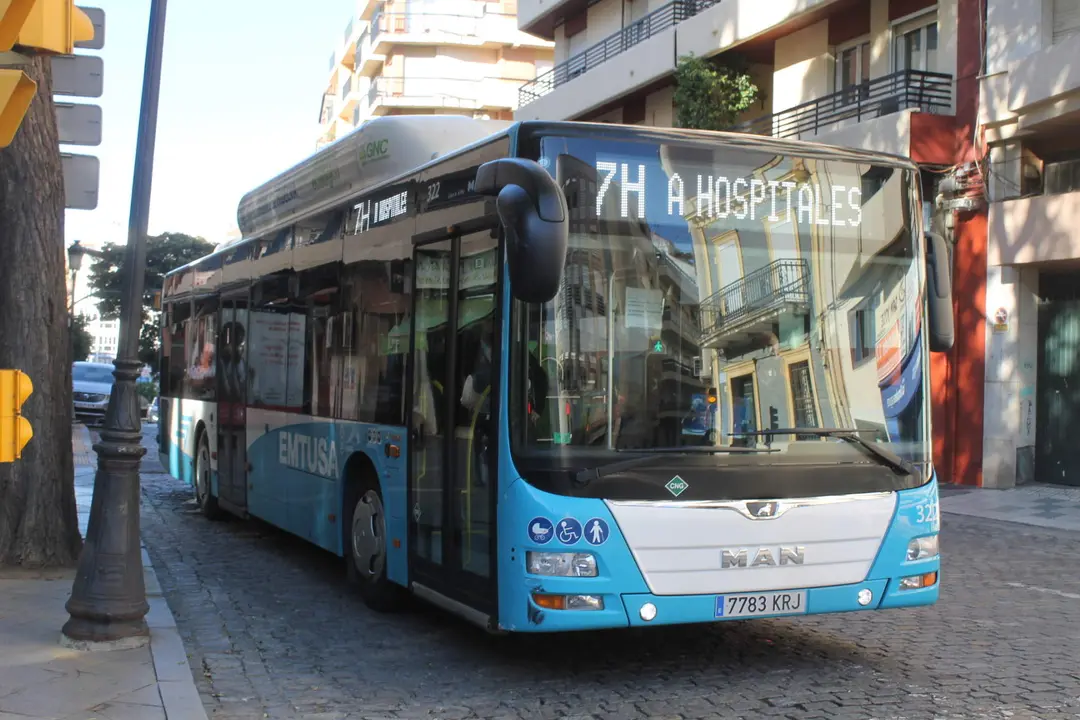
[376, 314]
[276, 341]
[319, 289]
[199, 380]
[174, 344]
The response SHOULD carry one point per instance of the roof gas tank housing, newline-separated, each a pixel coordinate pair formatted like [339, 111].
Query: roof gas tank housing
[378, 151]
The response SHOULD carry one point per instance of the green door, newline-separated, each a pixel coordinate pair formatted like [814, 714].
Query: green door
[1057, 458]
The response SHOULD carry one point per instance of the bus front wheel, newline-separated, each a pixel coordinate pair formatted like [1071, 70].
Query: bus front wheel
[366, 550]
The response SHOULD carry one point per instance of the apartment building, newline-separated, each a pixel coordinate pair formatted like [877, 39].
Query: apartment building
[1029, 112]
[463, 57]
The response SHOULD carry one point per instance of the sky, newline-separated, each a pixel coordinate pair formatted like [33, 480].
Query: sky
[241, 90]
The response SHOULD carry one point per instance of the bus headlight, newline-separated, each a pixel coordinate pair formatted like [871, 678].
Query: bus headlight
[923, 547]
[560, 564]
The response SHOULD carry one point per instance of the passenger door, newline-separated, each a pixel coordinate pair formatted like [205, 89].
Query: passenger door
[454, 351]
[232, 403]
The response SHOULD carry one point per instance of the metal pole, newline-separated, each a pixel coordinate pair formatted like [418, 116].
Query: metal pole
[611, 362]
[108, 598]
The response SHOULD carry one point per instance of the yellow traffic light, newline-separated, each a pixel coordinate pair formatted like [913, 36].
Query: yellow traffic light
[16, 92]
[15, 430]
[43, 26]
[13, 14]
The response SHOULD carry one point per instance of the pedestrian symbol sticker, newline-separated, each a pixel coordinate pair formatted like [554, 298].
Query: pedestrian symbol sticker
[541, 530]
[596, 531]
[569, 531]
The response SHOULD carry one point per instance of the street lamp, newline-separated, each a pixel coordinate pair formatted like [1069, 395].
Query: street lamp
[108, 597]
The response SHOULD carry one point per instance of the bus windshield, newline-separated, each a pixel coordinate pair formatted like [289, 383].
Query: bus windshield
[714, 292]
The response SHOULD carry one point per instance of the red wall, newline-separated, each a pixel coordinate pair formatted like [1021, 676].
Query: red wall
[957, 377]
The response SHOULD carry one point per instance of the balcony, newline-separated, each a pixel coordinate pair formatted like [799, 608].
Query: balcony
[659, 20]
[477, 29]
[927, 92]
[455, 93]
[749, 305]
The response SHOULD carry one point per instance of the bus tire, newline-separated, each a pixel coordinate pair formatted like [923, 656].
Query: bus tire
[204, 496]
[366, 547]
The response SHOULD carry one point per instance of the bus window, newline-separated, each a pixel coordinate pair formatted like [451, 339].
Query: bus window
[373, 369]
[199, 380]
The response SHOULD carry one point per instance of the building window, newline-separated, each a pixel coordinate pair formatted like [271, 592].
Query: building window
[862, 326]
[802, 394]
[853, 71]
[916, 44]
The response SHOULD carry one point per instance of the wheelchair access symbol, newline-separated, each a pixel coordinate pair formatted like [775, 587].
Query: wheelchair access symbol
[569, 531]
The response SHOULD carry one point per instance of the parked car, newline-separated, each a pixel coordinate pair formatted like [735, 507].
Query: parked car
[91, 385]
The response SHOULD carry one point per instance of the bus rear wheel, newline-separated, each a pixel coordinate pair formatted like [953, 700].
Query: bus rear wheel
[204, 498]
[365, 551]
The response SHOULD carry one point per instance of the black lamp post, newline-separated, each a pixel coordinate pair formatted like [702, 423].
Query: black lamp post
[108, 598]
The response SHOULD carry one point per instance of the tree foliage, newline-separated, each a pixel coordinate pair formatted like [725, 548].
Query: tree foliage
[82, 342]
[164, 253]
[39, 524]
[710, 96]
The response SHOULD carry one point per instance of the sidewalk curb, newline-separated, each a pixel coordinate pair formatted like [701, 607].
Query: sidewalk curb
[176, 685]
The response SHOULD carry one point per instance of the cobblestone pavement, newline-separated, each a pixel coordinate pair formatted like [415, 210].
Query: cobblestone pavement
[272, 632]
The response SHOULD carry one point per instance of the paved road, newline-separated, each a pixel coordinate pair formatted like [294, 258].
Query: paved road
[272, 632]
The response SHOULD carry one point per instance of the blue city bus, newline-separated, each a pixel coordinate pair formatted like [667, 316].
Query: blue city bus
[558, 376]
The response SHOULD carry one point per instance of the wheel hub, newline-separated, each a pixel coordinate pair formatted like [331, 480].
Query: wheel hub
[368, 535]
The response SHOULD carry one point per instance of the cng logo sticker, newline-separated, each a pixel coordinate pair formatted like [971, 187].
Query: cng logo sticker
[676, 486]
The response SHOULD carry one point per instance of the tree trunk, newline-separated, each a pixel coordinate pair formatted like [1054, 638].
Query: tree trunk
[38, 521]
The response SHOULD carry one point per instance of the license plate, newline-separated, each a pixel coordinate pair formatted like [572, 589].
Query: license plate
[760, 604]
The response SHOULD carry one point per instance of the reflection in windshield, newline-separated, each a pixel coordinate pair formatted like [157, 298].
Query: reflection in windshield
[93, 374]
[711, 293]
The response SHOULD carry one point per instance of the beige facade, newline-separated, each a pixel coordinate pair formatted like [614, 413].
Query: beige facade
[461, 57]
[847, 72]
[1029, 110]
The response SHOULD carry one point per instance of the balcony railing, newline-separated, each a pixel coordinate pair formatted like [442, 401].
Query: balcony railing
[333, 60]
[929, 92]
[347, 87]
[348, 32]
[443, 23]
[440, 92]
[779, 284]
[663, 18]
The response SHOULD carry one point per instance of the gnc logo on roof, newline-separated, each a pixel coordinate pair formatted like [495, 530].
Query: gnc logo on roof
[374, 150]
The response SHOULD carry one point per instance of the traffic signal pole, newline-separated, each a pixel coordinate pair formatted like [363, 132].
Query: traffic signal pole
[108, 599]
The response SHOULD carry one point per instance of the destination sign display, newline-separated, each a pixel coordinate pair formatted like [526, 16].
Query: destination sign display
[406, 199]
[382, 208]
[447, 190]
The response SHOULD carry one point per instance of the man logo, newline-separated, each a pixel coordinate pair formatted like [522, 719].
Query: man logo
[762, 509]
[763, 557]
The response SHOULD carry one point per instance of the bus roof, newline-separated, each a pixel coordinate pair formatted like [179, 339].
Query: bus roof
[389, 148]
[380, 150]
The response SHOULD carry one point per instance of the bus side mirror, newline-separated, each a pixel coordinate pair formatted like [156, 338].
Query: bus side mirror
[938, 294]
[534, 216]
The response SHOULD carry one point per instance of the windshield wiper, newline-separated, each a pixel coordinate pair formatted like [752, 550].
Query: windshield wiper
[589, 474]
[885, 456]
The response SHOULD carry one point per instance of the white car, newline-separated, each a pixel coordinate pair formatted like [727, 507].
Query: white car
[91, 385]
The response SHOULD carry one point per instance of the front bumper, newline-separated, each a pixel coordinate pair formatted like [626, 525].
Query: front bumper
[620, 585]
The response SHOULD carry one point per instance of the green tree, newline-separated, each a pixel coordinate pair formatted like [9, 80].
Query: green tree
[164, 253]
[710, 95]
[82, 342]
